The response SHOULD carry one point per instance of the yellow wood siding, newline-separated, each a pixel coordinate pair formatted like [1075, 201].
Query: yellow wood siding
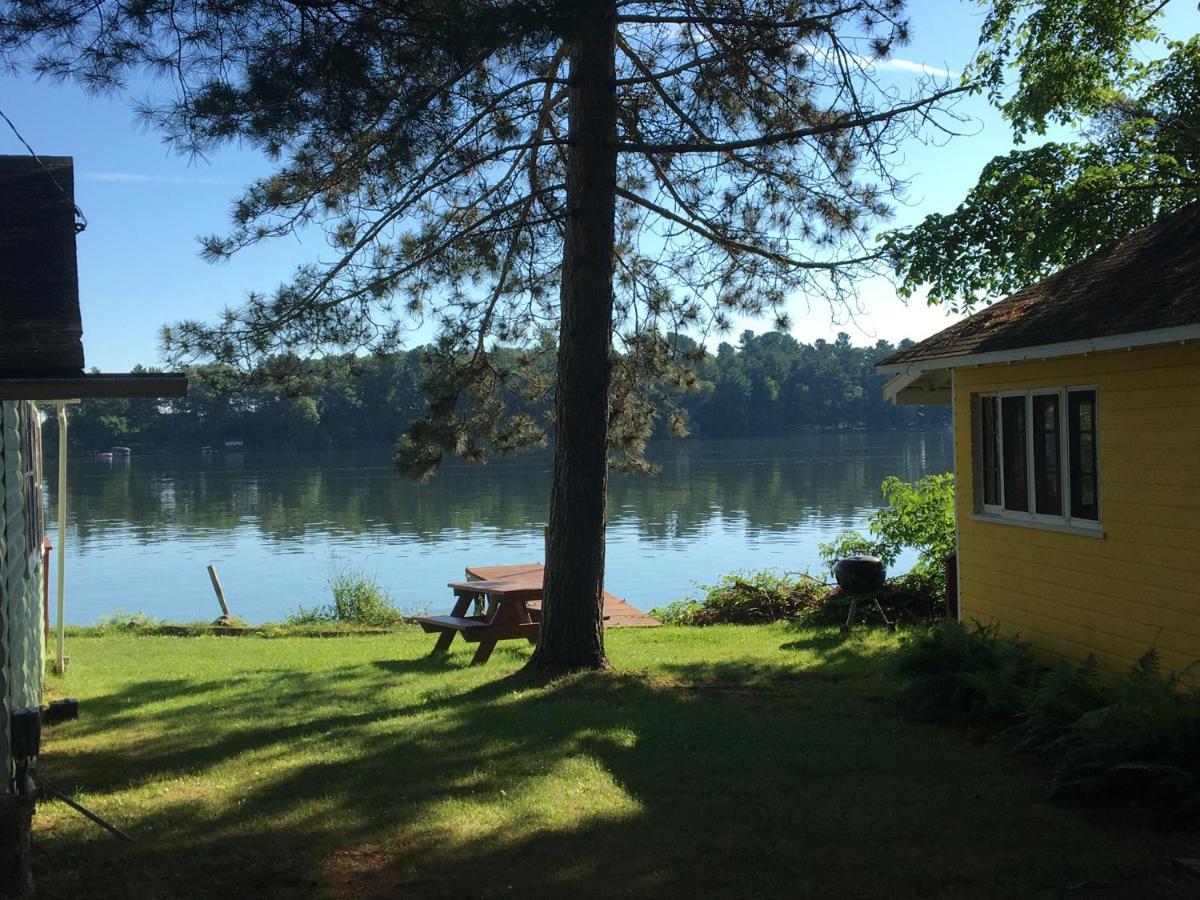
[1138, 585]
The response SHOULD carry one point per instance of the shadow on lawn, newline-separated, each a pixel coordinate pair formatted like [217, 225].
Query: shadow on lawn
[434, 665]
[725, 789]
[842, 655]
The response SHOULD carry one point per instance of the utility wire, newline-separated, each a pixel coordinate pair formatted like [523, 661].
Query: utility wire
[80, 218]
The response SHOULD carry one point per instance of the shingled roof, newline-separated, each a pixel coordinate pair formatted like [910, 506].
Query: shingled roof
[40, 330]
[1146, 283]
[41, 346]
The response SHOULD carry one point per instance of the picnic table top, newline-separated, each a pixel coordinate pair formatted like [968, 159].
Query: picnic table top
[524, 581]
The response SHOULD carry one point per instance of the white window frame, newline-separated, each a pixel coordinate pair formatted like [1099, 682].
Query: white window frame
[991, 509]
[998, 512]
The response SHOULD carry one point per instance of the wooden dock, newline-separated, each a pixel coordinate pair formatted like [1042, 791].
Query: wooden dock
[617, 613]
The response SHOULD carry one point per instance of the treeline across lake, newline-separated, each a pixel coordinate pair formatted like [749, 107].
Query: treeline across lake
[768, 384]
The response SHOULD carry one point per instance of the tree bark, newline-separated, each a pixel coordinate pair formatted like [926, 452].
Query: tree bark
[572, 633]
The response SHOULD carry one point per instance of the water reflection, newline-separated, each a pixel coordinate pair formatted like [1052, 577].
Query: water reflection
[279, 524]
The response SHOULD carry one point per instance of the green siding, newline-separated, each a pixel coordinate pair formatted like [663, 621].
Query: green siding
[27, 644]
[22, 636]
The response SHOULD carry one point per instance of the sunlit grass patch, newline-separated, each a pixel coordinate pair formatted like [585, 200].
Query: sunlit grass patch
[719, 761]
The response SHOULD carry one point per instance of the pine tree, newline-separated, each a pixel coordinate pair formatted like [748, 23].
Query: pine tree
[579, 176]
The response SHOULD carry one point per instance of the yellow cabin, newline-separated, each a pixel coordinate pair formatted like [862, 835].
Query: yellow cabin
[1076, 406]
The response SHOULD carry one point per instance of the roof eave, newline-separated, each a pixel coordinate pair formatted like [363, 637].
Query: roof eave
[95, 385]
[1174, 335]
[919, 388]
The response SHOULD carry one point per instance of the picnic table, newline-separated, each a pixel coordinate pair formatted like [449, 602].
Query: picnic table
[510, 597]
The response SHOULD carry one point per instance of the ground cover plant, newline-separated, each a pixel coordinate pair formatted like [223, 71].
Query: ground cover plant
[724, 761]
[967, 675]
[1131, 739]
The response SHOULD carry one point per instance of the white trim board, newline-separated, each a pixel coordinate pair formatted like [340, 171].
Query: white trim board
[1128, 341]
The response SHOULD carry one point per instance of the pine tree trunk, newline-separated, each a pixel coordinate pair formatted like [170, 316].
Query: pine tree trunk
[572, 634]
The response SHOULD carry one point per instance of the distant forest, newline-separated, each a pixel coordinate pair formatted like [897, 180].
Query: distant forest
[769, 384]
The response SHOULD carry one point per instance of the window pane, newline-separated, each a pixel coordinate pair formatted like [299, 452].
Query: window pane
[1016, 482]
[1047, 453]
[990, 451]
[1081, 424]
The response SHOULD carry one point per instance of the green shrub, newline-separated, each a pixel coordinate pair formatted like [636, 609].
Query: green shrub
[919, 515]
[124, 620]
[914, 598]
[1063, 694]
[911, 599]
[746, 598]
[966, 675]
[357, 600]
[1130, 740]
[853, 543]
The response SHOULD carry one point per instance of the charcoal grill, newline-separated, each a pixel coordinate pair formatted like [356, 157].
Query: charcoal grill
[860, 577]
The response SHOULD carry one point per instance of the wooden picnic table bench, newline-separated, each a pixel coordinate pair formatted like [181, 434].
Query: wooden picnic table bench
[511, 598]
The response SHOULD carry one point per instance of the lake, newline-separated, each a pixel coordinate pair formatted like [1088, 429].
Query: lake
[279, 525]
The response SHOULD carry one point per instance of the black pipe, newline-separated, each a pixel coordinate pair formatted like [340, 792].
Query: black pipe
[79, 808]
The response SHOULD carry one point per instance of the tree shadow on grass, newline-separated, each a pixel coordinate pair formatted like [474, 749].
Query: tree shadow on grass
[421, 665]
[704, 779]
[431, 664]
[819, 641]
[841, 655]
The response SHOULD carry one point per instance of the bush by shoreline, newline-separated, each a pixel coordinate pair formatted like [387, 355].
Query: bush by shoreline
[753, 598]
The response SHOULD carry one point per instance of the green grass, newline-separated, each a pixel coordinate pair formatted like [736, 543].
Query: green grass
[728, 761]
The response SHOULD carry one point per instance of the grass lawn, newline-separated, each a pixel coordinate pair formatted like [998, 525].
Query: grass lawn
[728, 761]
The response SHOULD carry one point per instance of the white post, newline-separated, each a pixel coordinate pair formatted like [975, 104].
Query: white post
[60, 663]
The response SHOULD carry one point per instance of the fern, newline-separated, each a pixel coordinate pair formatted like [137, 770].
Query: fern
[1129, 740]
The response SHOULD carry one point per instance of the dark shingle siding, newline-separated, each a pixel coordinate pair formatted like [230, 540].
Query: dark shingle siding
[1143, 282]
[40, 328]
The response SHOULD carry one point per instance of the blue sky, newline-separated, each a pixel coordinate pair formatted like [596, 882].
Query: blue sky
[139, 265]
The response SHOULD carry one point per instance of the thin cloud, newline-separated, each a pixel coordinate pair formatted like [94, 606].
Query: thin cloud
[892, 64]
[907, 65]
[143, 178]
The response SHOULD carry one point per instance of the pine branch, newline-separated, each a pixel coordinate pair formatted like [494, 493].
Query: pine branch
[661, 91]
[510, 255]
[757, 23]
[787, 137]
[665, 74]
[736, 246]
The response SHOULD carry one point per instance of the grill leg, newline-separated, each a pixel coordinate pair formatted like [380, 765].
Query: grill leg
[891, 625]
[850, 615]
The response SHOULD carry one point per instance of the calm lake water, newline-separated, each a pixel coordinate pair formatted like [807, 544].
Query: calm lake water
[279, 525]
